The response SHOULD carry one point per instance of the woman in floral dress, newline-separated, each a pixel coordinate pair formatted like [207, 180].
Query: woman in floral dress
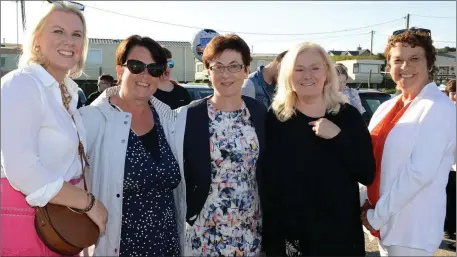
[223, 175]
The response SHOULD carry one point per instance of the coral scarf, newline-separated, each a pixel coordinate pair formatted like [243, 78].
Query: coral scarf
[378, 136]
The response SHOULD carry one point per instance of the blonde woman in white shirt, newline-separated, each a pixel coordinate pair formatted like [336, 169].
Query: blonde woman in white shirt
[39, 138]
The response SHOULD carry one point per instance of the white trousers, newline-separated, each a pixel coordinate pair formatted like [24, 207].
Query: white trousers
[395, 250]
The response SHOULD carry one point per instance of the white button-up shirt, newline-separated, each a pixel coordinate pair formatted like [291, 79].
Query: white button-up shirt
[418, 154]
[39, 143]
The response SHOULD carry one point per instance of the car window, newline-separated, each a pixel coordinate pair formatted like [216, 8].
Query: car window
[371, 101]
[199, 93]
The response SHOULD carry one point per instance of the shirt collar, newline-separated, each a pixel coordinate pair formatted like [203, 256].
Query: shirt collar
[48, 80]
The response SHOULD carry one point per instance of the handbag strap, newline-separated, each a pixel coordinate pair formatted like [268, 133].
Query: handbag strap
[66, 99]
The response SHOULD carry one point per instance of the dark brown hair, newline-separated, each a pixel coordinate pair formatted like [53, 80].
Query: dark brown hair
[123, 50]
[219, 44]
[167, 53]
[341, 69]
[413, 39]
[450, 88]
[279, 57]
[107, 77]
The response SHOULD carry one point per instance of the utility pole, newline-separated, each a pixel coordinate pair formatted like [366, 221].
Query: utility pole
[371, 48]
[407, 21]
[17, 22]
[23, 14]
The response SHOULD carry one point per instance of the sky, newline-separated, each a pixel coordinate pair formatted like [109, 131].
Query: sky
[267, 26]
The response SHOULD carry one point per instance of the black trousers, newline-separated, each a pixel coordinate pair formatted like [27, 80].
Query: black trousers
[450, 225]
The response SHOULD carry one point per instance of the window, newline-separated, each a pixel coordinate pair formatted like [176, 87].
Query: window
[260, 63]
[365, 68]
[94, 56]
[200, 67]
[2, 61]
[356, 68]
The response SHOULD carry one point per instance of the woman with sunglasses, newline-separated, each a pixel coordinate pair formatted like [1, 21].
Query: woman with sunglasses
[223, 144]
[169, 91]
[414, 141]
[135, 172]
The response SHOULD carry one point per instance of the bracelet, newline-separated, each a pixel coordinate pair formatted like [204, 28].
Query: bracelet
[88, 208]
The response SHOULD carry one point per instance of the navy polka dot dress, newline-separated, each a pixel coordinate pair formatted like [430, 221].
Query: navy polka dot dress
[148, 212]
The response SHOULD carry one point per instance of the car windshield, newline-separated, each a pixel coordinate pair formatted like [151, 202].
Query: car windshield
[371, 101]
[198, 93]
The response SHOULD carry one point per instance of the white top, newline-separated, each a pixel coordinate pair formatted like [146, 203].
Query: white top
[418, 154]
[39, 144]
[107, 139]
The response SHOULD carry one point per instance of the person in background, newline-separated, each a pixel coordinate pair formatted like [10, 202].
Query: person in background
[104, 81]
[351, 93]
[169, 91]
[135, 172]
[223, 142]
[261, 84]
[414, 143]
[81, 98]
[450, 224]
[318, 150]
[42, 132]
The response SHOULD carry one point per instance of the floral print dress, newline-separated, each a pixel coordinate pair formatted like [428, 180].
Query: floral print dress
[230, 222]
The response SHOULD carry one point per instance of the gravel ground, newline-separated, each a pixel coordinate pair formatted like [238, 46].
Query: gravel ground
[371, 248]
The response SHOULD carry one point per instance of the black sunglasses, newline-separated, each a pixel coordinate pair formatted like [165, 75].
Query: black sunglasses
[414, 30]
[136, 67]
[171, 64]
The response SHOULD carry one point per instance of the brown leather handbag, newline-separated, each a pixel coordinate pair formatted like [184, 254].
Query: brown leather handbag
[63, 230]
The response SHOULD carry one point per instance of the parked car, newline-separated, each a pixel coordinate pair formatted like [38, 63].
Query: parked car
[198, 91]
[371, 100]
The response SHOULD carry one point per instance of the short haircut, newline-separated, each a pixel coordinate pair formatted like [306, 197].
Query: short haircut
[106, 77]
[167, 53]
[279, 57]
[156, 51]
[341, 70]
[219, 44]
[413, 39]
[450, 88]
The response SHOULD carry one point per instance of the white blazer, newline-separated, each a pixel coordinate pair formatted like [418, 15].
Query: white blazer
[39, 139]
[418, 154]
[107, 138]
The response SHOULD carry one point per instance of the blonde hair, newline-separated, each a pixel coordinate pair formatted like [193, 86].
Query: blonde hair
[285, 99]
[29, 48]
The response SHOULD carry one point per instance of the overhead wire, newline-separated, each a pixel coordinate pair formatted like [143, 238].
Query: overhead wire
[241, 32]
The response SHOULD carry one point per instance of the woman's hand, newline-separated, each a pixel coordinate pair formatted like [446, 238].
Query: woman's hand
[99, 215]
[325, 128]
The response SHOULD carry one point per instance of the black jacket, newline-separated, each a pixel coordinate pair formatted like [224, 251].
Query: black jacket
[197, 158]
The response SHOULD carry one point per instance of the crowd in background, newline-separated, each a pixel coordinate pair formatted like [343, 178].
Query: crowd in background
[277, 162]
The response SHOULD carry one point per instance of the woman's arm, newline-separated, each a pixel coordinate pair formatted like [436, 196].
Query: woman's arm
[420, 170]
[21, 120]
[353, 144]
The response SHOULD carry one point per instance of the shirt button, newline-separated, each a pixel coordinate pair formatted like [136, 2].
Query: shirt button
[125, 122]
[118, 195]
[127, 116]
[122, 141]
[115, 250]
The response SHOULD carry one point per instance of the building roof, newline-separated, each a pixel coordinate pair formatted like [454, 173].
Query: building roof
[118, 41]
[10, 50]
[353, 53]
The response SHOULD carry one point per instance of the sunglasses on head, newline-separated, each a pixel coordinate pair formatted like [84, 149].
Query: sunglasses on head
[171, 64]
[414, 30]
[136, 67]
[79, 6]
